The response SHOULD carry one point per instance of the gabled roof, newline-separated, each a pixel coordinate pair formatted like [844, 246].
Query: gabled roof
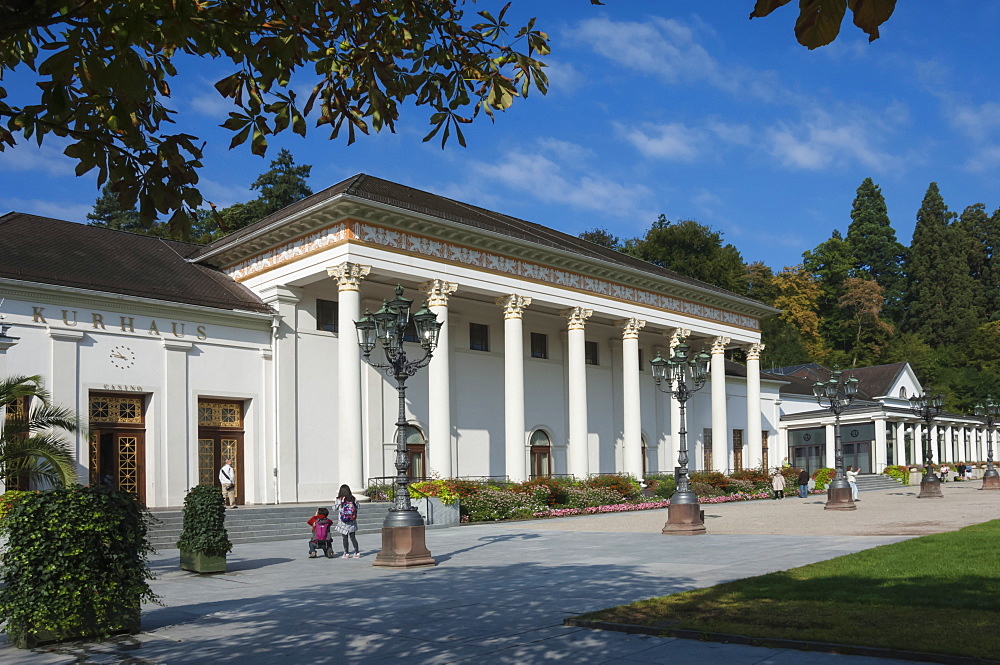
[51, 251]
[376, 190]
[873, 382]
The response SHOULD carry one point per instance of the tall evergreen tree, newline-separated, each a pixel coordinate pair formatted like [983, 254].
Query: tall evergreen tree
[939, 293]
[872, 239]
[830, 264]
[982, 237]
[108, 214]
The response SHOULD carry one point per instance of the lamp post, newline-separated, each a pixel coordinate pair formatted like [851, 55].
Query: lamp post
[837, 394]
[989, 411]
[403, 543]
[926, 407]
[684, 512]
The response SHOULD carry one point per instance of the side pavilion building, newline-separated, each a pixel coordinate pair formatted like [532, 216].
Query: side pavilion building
[184, 355]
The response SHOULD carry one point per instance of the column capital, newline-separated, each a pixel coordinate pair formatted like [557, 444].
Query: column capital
[754, 350]
[577, 317]
[631, 327]
[719, 345]
[437, 291]
[677, 336]
[348, 275]
[513, 305]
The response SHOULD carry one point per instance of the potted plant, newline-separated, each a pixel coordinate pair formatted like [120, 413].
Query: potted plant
[75, 565]
[204, 542]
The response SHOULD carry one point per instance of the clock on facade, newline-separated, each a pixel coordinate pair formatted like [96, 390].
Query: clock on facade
[122, 357]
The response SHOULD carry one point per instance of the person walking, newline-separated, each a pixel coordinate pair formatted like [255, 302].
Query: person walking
[852, 480]
[347, 522]
[227, 479]
[803, 483]
[778, 484]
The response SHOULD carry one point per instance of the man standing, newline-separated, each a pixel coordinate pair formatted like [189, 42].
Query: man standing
[803, 483]
[227, 478]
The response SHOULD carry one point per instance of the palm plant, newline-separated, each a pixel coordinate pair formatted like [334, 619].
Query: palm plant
[32, 447]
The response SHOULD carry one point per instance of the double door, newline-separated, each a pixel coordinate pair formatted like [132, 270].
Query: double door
[220, 438]
[118, 442]
[858, 455]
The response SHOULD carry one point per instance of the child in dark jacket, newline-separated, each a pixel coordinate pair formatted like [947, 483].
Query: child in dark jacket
[322, 536]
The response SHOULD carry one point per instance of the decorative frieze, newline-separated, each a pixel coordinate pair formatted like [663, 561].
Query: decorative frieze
[577, 317]
[513, 305]
[349, 275]
[631, 327]
[438, 291]
[381, 237]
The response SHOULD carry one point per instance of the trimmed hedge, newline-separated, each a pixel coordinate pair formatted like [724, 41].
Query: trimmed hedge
[204, 530]
[75, 564]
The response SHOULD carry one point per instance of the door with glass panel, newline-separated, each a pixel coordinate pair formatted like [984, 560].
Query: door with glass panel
[220, 438]
[118, 443]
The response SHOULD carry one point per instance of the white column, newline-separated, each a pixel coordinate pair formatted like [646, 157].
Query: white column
[631, 400]
[513, 385]
[178, 466]
[881, 451]
[350, 444]
[900, 456]
[285, 367]
[831, 445]
[439, 381]
[576, 375]
[64, 387]
[755, 452]
[947, 451]
[720, 432]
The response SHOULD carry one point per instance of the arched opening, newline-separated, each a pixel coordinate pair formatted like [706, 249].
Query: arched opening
[541, 454]
[416, 446]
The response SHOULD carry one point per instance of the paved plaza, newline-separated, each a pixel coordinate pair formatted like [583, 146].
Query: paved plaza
[500, 592]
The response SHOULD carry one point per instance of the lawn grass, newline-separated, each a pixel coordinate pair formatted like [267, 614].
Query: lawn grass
[936, 594]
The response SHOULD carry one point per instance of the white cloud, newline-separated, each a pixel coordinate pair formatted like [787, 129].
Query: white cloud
[224, 195]
[213, 105]
[984, 159]
[672, 141]
[30, 157]
[563, 76]
[821, 141]
[977, 122]
[740, 134]
[72, 212]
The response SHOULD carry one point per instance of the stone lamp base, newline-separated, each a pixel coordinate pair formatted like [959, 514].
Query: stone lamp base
[840, 498]
[684, 519]
[403, 547]
[930, 489]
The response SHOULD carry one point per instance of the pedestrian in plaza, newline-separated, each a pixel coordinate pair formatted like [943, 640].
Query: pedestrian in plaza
[944, 472]
[803, 483]
[852, 480]
[322, 533]
[778, 484]
[347, 522]
[227, 478]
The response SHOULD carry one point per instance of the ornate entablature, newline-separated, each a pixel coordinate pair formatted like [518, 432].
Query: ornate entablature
[402, 241]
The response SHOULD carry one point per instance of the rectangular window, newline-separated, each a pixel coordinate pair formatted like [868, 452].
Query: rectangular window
[737, 450]
[763, 449]
[590, 352]
[539, 345]
[706, 437]
[326, 315]
[479, 337]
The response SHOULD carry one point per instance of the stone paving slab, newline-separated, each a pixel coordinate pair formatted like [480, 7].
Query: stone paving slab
[499, 593]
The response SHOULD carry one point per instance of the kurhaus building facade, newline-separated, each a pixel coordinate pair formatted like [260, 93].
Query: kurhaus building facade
[181, 355]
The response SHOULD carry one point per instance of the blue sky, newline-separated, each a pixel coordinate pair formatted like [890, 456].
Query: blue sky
[655, 109]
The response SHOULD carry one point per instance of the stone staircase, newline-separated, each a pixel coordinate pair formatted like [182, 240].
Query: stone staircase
[258, 524]
[876, 481]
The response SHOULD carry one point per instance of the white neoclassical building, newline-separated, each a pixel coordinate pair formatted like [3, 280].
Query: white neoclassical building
[181, 355]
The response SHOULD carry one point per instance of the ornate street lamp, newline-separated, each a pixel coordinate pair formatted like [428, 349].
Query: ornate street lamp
[403, 543]
[684, 512]
[836, 395]
[926, 407]
[989, 412]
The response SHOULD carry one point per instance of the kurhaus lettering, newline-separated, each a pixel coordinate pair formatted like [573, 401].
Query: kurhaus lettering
[126, 323]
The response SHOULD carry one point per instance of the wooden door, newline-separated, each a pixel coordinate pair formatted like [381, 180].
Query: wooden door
[118, 443]
[220, 437]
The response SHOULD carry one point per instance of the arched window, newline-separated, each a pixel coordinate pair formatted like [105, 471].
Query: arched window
[416, 446]
[541, 454]
[902, 393]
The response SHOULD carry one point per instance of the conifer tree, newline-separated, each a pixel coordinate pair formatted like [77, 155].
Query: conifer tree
[939, 294]
[830, 264]
[982, 237]
[107, 213]
[872, 239]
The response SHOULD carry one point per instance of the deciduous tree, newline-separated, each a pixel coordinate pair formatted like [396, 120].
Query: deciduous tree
[691, 249]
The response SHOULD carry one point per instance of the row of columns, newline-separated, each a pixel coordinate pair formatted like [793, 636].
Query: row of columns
[349, 277]
[969, 444]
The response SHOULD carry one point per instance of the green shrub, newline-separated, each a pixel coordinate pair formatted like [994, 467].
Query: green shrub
[823, 476]
[435, 488]
[204, 529]
[75, 563]
[491, 503]
[662, 485]
[624, 484]
[900, 473]
[704, 489]
[8, 499]
[719, 482]
[584, 497]
[555, 489]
